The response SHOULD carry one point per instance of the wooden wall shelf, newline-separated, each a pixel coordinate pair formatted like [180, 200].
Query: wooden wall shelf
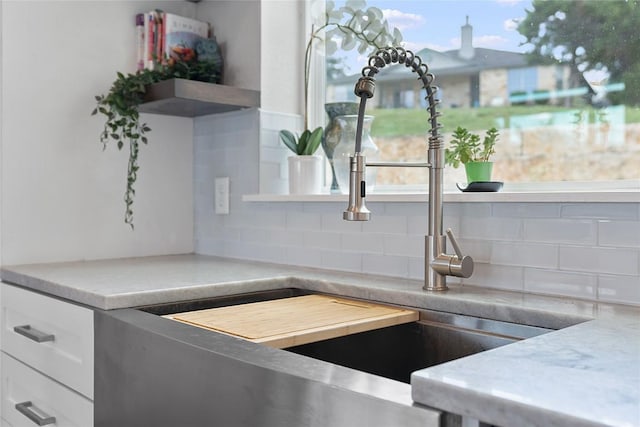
[189, 98]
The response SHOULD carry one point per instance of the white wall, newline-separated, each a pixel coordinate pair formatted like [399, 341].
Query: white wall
[236, 26]
[62, 196]
[282, 56]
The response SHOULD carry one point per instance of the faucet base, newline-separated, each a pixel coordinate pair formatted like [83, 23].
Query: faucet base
[434, 281]
[435, 288]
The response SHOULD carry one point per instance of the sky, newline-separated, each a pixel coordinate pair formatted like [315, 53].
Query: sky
[436, 23]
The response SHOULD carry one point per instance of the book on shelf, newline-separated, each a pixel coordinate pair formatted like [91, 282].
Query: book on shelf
[181, 35]
[140, 39]
[166, 37]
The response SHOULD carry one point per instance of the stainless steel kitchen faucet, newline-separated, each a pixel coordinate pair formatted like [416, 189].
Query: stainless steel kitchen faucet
[438, 264]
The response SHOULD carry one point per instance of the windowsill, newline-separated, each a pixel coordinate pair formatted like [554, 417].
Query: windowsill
[599, 196]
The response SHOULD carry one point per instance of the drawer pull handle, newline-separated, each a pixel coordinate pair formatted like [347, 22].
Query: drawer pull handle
[33, 334]
[37, 416]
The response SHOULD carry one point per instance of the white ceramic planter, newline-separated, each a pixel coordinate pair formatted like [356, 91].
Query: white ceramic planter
[305, 175]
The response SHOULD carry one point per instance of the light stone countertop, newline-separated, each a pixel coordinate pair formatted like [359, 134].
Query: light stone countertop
[586, 374]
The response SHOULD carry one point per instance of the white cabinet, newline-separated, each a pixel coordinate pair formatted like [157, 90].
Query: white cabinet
[29, 397]
[47, 360]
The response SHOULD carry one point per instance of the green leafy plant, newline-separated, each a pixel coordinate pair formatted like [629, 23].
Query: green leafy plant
[304, 145]
[353, 26]
[120, 107]
[466, 147]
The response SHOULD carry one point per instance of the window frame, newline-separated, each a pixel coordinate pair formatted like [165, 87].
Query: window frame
[317, 100]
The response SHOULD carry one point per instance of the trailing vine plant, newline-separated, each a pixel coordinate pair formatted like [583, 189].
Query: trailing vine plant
[120, 107]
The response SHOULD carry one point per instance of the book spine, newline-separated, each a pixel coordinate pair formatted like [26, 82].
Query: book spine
[145, 54]
[150, 40]
[140, 40]
[158, 36]
[163, 40]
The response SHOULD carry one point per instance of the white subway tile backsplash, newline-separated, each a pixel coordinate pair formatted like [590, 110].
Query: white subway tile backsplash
[404, 209]
[385, 224]
[451, 210]
[299, 220]
[476, 210]
[271, 180]
[334, 222]
[479, 250]
[497, 276]
[619, 233]
[626, 211]
[255, 251]
[472, 227]
[251, 235]
[524, 254]
[620, 289]
[362, 242]
[599, 260]
[553, 282]
[335, 260]
[333, 210]
[285, 237]
[385, 265]
[270, 139]
[307, 257]
[560, 231]
[416, 268]
[322, 239]
[403, 245]
[275, 155]
[417, 224]
[526, 210]
[269, 219]
[579, 250]
[272, 120]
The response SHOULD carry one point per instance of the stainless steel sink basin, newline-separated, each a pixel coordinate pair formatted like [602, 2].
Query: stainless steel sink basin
[392, 352]
[397, 351]
[150, 370]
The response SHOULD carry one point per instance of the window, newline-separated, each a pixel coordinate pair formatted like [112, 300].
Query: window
[570, 113]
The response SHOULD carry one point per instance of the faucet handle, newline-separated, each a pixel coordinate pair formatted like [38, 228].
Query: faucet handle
[454, 243]
[463, 266]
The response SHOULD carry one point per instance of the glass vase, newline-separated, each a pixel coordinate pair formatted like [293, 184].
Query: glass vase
[346, 147]
[333, 131]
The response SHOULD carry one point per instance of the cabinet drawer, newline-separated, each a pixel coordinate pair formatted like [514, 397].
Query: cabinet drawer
[53, 336]
[41, 398]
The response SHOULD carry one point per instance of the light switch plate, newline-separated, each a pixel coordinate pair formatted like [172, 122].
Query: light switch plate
[222, 196]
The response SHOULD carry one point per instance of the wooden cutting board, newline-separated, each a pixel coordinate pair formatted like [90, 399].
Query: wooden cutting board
[300, 320]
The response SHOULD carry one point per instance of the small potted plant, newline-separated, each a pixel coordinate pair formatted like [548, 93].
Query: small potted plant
[352, 26]
[466, 148]
[305, 169]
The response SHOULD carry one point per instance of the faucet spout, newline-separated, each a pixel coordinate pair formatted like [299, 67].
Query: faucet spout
[438, 264]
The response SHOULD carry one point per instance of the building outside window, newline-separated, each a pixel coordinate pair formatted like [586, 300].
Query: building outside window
[562, 118]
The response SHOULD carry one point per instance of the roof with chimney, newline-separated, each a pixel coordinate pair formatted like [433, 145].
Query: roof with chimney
[467, 60]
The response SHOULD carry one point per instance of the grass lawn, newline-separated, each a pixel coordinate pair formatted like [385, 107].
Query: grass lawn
[393, 122]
